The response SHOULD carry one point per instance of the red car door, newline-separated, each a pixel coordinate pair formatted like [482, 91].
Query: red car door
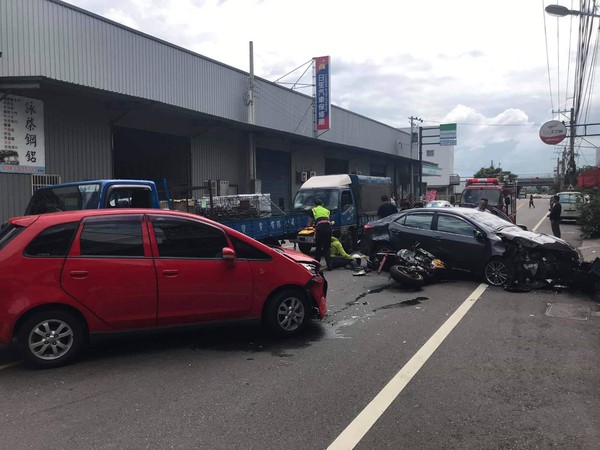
[195, 283]
[110, 271]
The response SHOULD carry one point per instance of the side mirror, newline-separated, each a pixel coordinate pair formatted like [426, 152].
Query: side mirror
[522, 227]
[229, 255]
[478, 235]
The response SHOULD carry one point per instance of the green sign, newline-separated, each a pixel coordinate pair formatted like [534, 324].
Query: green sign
[447, 134]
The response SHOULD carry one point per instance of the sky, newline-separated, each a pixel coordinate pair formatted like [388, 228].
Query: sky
[498, 69]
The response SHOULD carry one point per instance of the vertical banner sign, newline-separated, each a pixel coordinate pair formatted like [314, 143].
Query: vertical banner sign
[447, 134]
[22, 127]
[322, 93]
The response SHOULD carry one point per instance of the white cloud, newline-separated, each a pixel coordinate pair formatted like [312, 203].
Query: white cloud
[478, 63]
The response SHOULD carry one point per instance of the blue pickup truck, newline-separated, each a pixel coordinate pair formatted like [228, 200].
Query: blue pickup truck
[93, 194]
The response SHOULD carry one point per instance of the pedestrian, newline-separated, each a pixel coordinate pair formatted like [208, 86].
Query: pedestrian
[386, 208]
[531, 205]
[320, 218]
[339, 257]
[555, 213]
[483, 205]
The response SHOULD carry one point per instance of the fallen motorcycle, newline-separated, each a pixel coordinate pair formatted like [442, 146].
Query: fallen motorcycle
[413, 267]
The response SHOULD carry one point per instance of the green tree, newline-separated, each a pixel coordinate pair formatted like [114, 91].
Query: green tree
[495, 172]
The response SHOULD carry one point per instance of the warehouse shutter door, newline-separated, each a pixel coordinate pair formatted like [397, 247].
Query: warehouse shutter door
[273, 170]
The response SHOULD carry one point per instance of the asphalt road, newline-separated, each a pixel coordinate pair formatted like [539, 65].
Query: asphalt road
[457, 364]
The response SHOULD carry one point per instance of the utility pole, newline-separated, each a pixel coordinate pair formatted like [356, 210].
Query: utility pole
[254, 185]
[412, 174]
[571, 167]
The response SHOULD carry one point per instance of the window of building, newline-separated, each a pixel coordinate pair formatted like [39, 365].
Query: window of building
[430, 153]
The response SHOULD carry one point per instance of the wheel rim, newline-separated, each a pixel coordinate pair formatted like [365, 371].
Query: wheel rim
[290, 314]
[413, 275]
[50, 339]
[496, 273]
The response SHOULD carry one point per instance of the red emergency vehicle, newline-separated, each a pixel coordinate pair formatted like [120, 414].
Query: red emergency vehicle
[502, 197]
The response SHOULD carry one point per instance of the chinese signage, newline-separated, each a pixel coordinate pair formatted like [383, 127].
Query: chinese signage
[553, 132]
[322, 93]
[447, 134]
[22, 145]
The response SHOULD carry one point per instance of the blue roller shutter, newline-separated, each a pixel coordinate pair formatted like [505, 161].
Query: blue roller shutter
[273, 170]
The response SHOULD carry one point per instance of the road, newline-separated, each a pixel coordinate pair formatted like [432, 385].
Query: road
[457, 364]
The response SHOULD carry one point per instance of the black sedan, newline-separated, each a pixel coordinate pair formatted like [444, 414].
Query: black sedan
[464, 238]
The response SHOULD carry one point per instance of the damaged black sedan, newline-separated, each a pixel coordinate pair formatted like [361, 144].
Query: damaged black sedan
[483, 244]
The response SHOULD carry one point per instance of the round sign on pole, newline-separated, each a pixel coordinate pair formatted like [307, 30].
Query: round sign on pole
[553, 132]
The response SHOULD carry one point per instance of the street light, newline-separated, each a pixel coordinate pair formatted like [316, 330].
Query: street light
[562, 11]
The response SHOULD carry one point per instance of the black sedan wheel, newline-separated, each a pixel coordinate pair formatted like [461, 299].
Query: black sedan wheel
[287, 312]
[496, 272]
[50, 339]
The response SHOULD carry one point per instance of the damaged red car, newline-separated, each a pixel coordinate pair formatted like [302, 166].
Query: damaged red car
[67, 275]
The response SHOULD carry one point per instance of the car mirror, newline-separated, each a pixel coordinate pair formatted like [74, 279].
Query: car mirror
[522, 227]
[478, 235]
[229, 255]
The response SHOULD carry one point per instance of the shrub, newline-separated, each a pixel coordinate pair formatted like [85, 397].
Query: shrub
[589, 220]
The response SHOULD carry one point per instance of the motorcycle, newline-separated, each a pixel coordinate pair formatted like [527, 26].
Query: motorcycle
[412, 267]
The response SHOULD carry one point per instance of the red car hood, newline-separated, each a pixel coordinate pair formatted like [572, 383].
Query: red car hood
[296, 256]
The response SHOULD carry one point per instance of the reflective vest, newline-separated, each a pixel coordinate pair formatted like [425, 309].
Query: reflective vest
[320, 213]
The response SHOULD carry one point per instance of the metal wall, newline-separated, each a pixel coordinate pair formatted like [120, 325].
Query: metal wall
[59, 41]
[219, 155]
[78, 138]
[15, 190]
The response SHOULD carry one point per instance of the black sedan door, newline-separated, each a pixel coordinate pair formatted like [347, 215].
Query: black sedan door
[454, 241]
[413, 227]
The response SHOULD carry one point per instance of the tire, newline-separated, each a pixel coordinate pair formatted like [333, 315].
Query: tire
[373, 261]
[305, 248]
[496, 272]
[406, 277]
[287, 312]
[50, 339]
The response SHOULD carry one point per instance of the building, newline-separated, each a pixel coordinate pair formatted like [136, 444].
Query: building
[85, 98]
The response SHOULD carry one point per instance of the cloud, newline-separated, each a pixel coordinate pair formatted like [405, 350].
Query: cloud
[499, 71]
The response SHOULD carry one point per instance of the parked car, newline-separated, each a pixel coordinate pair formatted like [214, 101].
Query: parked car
[464, 238]
[438, 204]
[67, 275]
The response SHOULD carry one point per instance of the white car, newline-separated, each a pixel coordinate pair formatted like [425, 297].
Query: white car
[569, 205]
[438, 204]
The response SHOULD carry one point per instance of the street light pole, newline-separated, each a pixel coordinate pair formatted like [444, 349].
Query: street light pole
[562, 11]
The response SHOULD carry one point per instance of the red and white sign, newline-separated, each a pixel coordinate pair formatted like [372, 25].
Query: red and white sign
[553, 132]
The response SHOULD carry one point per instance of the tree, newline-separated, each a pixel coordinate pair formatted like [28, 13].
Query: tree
[495, 172]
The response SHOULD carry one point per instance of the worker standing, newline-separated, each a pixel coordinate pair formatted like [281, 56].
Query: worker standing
[531, 205]
[320, 218]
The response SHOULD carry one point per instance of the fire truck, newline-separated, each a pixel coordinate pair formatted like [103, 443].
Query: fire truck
[502, 197]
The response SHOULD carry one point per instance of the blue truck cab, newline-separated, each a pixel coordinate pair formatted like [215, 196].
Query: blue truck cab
[352, 200]
[94, 194]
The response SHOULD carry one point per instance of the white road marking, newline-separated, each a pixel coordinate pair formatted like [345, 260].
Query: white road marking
[539, 223]
[357, 429]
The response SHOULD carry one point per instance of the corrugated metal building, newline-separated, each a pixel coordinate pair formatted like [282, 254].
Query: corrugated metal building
[118, 103]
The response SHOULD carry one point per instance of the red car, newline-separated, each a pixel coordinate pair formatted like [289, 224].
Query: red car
[69, 274]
